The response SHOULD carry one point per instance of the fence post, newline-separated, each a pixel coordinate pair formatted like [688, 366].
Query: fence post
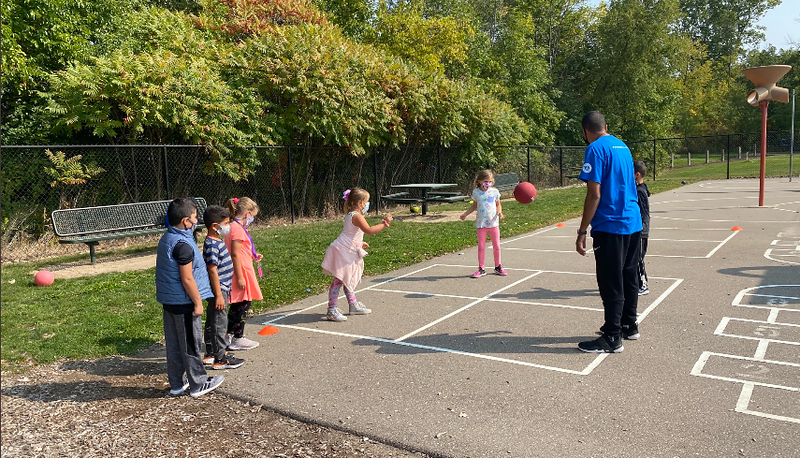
[672, 159]
[439, 163]
[291, 182]
[689, 158]
[740, 153]
[528, 147]
[707, 156]
[166, 175]
[654, 159]
[560, 166]
[377, 188]
[728, 177]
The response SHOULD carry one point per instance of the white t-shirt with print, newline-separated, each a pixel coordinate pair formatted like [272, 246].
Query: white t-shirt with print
[487, 207]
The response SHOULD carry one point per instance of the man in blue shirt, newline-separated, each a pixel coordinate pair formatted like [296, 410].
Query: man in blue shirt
[612, 209]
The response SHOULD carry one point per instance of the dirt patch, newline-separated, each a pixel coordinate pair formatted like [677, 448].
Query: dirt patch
[120, 407]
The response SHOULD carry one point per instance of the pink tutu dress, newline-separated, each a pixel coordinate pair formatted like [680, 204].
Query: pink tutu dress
[344, 258]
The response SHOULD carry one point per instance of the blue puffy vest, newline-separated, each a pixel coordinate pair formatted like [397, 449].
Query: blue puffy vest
[169, 289]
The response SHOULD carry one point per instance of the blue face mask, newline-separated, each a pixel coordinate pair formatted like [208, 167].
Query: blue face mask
[366, 209]
[249, 221]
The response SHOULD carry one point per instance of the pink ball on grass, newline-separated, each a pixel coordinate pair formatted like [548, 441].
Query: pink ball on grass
[43, 278]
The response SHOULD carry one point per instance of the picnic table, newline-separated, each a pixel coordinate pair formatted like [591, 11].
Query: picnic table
[430, 193]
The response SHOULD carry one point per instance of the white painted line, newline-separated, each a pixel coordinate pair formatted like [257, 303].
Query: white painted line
[697, 370]
[725, 321]
[466, 307]
[451, 351]
[737, 301]
[776, 297]
[364, 289]
[744, 402]
[761, 350]
[768, 255]
[655, 303]
[722, 243]
[541, 231]
[491, 299]
[674, 256]
[671, 218]
[773, 316]
[540, 249]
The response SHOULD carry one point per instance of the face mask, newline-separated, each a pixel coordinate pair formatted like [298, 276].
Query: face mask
[192, 225]
[366, 209]
[486, 185]
[223, 231]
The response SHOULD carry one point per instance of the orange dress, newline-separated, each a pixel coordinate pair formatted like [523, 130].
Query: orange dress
[251, 292]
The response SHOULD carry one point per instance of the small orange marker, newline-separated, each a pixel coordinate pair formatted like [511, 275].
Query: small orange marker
[268, 331]
[561, 225]
[736, 228]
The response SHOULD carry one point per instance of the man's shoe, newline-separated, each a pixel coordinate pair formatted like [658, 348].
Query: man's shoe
[603, 344]
[210, 385]
[630, 332]
[479, 273]
[359, 309]
[242, 343]
[500, 271]
[208, 360]
[644, 291]
[227, 362]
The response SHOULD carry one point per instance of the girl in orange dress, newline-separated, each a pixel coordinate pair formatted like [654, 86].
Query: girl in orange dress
[244, 287]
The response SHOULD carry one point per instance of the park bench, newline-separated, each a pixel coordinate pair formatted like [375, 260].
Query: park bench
[506, 181]
[402, 198]
[575, 172]
[91, 225]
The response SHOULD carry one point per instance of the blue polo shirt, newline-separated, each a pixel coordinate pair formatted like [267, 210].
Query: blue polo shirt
[608, 161]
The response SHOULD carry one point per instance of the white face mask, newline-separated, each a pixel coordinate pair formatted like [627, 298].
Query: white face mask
[366, 209]
[223, 231]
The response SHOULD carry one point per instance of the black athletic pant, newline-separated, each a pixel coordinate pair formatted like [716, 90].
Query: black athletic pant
[617, 261]
[642, 271]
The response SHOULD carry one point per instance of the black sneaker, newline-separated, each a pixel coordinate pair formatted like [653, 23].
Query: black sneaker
[603, 344]
[630, 332]
[643, 291]
[227, 361]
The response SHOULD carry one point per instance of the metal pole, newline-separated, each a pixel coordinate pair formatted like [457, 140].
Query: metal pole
[528, 147]
[654, 159]
[560, 165]
[291, 183]
[764, 106]
[729, 157]
[166, 174]
[791, 144]
[377, 188]
[439, 163]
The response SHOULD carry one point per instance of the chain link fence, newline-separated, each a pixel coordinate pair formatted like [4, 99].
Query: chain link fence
[296, 182]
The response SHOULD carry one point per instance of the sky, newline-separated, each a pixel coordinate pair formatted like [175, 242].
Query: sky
[783, 25]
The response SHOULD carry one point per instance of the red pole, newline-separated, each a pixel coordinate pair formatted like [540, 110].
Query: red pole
[764, 106]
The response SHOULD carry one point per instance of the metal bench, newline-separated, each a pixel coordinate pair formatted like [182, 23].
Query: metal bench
[91, 225]
[575, 172]
[451, 199]
[506, 181]
[402, 198]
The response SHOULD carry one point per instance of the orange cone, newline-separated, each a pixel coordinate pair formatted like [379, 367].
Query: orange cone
[561, 225]
[268, 331]
[736, 228]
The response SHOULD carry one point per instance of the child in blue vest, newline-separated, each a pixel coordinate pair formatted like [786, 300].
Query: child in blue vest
[181, 285]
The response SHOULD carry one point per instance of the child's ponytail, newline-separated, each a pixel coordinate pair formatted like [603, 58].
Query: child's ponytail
[352, 197]
[238, 206]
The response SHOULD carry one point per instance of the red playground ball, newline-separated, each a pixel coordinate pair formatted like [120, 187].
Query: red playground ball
[43, 278]
[525, 192]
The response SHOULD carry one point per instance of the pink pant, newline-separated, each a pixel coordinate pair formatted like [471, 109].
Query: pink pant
[494, 232]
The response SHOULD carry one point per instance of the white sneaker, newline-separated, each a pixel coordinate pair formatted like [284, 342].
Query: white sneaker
[335, 314]
[210, 385]
[180, 391]
[242, 343]
[359, 309]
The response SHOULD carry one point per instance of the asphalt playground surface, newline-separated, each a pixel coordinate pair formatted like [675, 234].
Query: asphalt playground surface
[489, 367]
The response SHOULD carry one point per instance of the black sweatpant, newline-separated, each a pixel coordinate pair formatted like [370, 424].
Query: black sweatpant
[237, 317]
[617, 261]
[642, 271]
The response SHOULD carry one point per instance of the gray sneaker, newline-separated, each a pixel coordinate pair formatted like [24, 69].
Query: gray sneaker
[359, 309]
[209, 385]
[242, 343]
[180, 391]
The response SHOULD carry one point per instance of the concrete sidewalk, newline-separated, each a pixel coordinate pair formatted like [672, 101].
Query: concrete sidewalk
[489, 367]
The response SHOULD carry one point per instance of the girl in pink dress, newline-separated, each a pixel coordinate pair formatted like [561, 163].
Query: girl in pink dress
[244, 287]
[344, 258]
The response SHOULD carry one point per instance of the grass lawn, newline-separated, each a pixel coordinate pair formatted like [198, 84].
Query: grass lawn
[117, 313]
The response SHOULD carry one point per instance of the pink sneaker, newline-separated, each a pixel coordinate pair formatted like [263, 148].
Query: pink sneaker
[479, 273]
[500, 271]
